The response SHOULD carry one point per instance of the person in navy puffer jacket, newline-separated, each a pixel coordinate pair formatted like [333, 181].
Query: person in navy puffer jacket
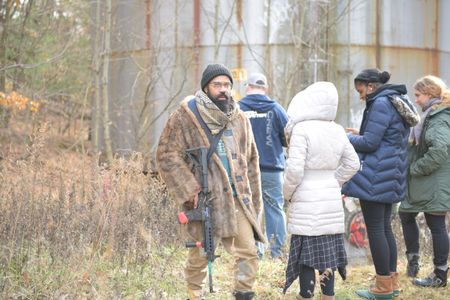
[268, 119]
[381, 144]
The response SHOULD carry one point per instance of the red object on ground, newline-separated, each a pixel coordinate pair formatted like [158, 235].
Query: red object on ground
[358, 231]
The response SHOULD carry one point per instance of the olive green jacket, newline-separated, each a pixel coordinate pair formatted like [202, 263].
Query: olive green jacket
[429, 169]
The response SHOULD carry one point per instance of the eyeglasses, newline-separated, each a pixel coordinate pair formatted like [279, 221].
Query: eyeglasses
[218, 85]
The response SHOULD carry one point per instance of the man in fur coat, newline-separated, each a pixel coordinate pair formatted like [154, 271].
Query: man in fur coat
[233, 178]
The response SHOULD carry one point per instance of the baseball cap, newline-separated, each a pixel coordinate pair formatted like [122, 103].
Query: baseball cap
[257, 79]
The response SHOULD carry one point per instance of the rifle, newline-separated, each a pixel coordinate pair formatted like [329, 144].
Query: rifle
[202, 213]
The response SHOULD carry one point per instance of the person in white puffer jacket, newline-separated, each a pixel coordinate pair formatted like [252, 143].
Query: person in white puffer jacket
[320, 160]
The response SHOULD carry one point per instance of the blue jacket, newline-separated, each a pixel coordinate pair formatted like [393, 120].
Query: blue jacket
[382, 149]
[268, 119]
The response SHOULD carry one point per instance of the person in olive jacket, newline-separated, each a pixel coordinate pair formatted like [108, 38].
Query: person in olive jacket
[428, 180]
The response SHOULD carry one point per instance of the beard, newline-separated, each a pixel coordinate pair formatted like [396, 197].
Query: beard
[222, 101]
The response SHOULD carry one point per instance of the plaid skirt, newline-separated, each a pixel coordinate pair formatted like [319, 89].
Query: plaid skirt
[318, 252]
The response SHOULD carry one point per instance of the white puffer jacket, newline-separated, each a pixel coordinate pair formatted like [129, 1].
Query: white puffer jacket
[320, 160]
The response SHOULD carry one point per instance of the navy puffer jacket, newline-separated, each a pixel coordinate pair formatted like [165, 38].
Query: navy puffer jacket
[382, 149]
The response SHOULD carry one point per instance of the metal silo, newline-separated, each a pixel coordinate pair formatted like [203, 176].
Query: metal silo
[160, 48]
[403, 37]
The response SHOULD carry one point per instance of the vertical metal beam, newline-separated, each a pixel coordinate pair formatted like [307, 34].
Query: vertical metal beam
[327, 40]
[175, 29]
[196, 40]
[268, 54]
[148, 13]
[239, 12]
[349, 64]
[239, 56]
[435, 51]
[377, 34]
[239, 45]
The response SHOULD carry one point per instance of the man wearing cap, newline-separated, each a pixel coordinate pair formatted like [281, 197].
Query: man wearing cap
[268, 119]
[233, 177]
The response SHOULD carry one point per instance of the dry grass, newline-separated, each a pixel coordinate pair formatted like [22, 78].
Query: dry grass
[70, 229]
[62, 213]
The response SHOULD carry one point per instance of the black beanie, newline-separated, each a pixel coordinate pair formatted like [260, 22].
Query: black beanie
[214, 70]
[373, 75]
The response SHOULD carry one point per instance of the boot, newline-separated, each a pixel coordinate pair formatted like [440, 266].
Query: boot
[326, 297]
[395, 284]
[381, 290]
[413, 265]
[195, 294]
[244, 295]
[436, 279]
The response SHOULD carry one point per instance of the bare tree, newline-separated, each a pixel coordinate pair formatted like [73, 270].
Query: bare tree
[155, 58]
[105, 76]
[7, 10]
[140, 78]
[42, 54]
[96, 63]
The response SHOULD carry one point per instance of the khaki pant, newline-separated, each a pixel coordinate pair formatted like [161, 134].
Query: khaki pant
[243, 249]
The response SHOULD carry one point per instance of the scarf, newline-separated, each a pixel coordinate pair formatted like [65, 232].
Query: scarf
[213, 117]
[417, 130]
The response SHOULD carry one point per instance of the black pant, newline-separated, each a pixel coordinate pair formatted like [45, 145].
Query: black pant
[308, 281]
[377, 217]
[439, 235]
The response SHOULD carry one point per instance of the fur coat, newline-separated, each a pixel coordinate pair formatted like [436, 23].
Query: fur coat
[183, 132]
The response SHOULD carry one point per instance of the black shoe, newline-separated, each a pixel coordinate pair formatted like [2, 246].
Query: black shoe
[412, 269]
[244, 295]
[436, 279]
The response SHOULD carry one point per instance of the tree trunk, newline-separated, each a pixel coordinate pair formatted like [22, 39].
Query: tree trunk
[5, 113]
[105, 107]
[3, 34]
[96, 62]
[18, 72]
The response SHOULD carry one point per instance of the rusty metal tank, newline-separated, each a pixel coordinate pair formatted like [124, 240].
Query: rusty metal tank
[160, 49]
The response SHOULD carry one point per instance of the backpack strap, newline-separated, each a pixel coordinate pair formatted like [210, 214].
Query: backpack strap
[213, 139]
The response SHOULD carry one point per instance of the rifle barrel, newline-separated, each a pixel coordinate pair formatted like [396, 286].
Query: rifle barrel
[211, 290]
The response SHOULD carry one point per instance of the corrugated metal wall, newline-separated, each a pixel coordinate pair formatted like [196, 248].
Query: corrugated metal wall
[161, 47]
[404, 37]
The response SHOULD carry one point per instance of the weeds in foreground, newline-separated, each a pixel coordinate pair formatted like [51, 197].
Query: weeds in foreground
[70, 229]
[58, 213]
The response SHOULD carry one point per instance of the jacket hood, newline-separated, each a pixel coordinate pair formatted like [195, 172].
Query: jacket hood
[387, 89]
[257, 102]
[396, 93]
[406, 109]
[318, 101]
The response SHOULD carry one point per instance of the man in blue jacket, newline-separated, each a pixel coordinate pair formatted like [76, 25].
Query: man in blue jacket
[268, 119]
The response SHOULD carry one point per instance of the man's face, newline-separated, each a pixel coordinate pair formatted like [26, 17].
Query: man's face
[219, 89]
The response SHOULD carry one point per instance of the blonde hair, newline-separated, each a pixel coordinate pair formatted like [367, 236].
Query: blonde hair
[434, 87]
